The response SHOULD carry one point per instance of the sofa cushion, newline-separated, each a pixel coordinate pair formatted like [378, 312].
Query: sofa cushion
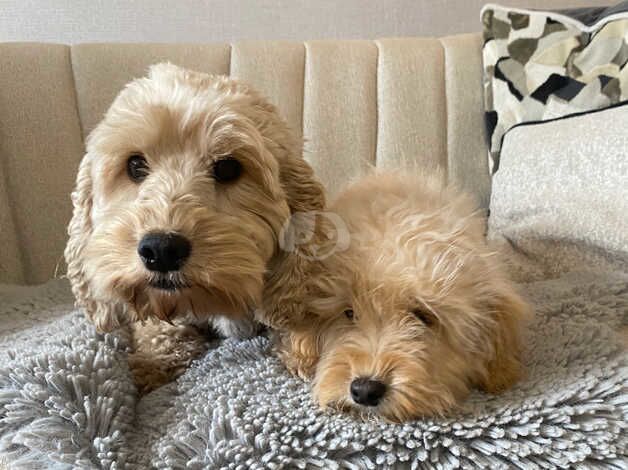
[357, 104]
[560, 197]
[40, 148]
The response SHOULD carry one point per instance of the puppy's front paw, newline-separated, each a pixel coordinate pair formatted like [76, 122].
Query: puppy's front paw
[151, 372]
[240, 328]
[161, 352]
[303, 367]
[299, 354]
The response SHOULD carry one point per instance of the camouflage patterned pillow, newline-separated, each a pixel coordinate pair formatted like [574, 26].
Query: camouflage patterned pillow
[540, 66]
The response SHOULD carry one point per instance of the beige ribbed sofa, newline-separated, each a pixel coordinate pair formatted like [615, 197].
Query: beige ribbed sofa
[356, 103]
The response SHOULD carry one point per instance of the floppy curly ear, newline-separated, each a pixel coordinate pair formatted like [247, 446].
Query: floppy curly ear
[504, 367]
[299, 352]
[303, 191]
[285, 289]
[102, 314]
[299, 346]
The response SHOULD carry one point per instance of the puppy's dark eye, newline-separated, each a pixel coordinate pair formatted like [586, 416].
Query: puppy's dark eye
[226, 169]
[137, 167]
[426, 317]
[348, 313]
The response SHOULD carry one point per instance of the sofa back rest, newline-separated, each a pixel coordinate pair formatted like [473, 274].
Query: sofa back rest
[356, 103]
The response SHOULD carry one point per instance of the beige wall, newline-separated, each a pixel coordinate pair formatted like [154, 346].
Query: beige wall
[73, 21]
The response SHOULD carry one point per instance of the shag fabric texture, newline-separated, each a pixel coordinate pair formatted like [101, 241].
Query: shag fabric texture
[541, 65]
[67, 399]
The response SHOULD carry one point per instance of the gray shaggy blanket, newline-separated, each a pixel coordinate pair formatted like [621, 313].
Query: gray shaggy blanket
[67, 399]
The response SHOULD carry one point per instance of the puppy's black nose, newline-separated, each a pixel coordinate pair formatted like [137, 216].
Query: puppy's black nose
[163, 252]
[367, 392]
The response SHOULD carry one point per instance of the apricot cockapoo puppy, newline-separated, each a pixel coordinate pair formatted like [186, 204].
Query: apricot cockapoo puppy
[415, 312]
[178, 208]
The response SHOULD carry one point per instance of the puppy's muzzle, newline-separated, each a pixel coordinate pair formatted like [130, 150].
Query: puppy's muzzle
[163, 252]
[367, 392]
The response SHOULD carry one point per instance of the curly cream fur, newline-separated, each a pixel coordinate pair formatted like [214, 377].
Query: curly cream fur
[182, 121]
[417, 246]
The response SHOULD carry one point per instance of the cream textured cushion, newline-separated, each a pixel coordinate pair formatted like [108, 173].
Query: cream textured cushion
[560, 197]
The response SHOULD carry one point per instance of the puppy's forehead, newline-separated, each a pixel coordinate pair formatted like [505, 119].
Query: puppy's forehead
[383, 288]
[176, 90]
[177, 109]
[185, 99]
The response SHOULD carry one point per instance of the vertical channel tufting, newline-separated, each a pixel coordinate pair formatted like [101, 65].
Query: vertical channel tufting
[411, 102]
[356, 103]
[275, 69]
[11, 265]
[101, 70]
[467, 151]
[40, 146]
[230, 62]
[340, 109]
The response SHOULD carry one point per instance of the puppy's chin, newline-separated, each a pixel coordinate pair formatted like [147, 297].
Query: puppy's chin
[168, 282]
[402, 402]
[168, 297]
[331, 390]
[224, 276]
[412, 391]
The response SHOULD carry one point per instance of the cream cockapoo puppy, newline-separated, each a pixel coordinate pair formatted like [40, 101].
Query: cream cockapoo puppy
[415, 312]
[179, 205]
